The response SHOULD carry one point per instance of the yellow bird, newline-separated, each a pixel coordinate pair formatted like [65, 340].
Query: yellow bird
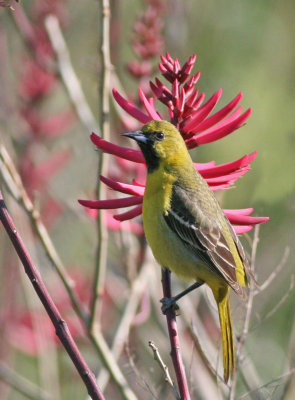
[186, 227]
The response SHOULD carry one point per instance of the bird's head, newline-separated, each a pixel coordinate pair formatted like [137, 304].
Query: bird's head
[159, 141]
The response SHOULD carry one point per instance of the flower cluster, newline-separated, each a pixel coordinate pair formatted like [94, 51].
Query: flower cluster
[187, 110]
[147, 41]
[37, 82]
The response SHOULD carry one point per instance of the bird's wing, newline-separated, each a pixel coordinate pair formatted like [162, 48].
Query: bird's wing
[202, 235]
[242, 254]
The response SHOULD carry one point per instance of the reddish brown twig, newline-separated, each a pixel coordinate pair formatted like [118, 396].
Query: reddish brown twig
[174, 339]
[60, 325]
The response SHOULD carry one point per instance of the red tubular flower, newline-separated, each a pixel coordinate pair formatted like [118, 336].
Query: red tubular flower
[36, 82]
[196, 124]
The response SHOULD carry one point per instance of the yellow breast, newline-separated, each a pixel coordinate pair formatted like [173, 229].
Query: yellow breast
[167, 248]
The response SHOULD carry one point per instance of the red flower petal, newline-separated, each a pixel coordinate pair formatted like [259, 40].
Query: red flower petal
[199, 115]
[112, 203]
[136, 183]
[233, 176]
[124, 152]
[218, 132]
[239, 219]
[242, 229]
[187, 68]
[135, 212]
[223, 186]
[228, 167]
[149, 107]
[190, 84]
[130, 108]
[202, 166]
[242, 211]
[220, 115]
[123, 187]
[130, 226]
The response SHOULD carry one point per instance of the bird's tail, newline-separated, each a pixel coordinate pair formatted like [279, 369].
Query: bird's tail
[228, 350]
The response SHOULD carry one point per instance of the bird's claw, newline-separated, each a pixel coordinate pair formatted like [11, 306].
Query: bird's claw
[168, 302]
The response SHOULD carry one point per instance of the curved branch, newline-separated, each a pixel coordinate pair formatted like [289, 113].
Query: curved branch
[62, 330]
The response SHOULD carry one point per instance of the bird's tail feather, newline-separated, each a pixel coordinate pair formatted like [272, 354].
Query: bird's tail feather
[226, 335]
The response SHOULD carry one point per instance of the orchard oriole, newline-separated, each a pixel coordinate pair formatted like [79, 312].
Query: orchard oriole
[186, 227]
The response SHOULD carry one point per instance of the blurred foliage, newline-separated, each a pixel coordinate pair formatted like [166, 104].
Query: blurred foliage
[241, 46]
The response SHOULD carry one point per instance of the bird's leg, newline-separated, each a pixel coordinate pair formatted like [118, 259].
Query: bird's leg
[168, 302]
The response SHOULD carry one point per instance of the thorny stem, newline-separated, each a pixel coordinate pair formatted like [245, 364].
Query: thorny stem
[62, 330]
[174, 339]
[104, 92]
[248, 313]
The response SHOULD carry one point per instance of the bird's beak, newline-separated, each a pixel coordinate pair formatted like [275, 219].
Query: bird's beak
[138, 136]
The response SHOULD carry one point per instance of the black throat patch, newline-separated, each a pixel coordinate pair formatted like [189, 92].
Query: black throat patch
[151, 158]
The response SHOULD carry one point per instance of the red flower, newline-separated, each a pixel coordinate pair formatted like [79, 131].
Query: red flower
[197, 125]
[36, 82]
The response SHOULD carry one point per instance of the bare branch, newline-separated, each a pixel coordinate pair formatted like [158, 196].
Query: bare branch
[111, 364]
[273, 381]
[68, 74]
[60, 325]
[279, 303]
[145, 384]
[121, 335]
[163, 366]
[22, 385]
[104, 94]
[16, 188]
[275, 272]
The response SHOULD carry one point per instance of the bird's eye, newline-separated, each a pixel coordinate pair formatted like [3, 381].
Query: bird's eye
[160, 135]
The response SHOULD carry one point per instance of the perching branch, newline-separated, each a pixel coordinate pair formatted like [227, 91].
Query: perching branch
[174, 339]
[60, 325]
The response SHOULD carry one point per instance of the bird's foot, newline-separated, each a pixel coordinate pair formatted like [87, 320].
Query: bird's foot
[169, 302]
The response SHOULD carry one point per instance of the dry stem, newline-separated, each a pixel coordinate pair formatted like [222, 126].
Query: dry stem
[61, 327]
[22, 385]
[163, 366]
[104, 93]
[16, 188]
[68, 75]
